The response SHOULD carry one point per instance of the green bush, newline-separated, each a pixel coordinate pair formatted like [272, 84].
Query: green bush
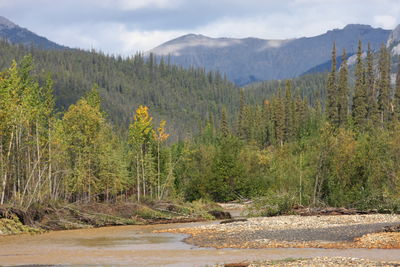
[272, 204]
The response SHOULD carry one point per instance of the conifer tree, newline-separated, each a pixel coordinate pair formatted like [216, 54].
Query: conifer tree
[299, 113]
[343, 91]
[268, 125]
[332, 100]
[279, 118]
[288, 111]
[373, 113]
[224, 123]
[384, 85]
[242, 116]
[396, 100]
[360, 98]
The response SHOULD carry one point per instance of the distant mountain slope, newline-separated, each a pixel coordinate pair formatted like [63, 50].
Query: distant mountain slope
[326, 66]
[394, 41]
[17, 35]
[252, 59]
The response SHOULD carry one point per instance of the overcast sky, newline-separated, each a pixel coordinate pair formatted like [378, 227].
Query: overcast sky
[127, 26]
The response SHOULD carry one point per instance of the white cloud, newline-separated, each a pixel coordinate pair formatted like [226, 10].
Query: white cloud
[112, 38]
[139, 4]
[127, 26]
[266, 27]
[133, 41]
[385, 21]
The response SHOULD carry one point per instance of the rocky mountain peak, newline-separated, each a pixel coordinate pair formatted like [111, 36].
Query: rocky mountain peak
[357, 27]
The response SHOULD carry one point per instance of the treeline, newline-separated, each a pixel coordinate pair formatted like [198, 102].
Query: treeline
[374, 102]
[311, 87]
[184, 97]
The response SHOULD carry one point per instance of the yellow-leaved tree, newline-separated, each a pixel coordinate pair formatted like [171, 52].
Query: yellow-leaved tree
[140, 134]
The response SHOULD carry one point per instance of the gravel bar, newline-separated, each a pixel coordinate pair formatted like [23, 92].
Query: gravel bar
[318, 261]
[336, 231]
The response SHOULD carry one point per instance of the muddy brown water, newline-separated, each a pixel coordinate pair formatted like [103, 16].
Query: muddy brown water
[138, 246]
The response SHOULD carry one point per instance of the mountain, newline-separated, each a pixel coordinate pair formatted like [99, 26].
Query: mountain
[394, 41]
[251, 59]
[18, 35]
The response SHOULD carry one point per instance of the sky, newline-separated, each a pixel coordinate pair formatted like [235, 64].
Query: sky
[124, 27]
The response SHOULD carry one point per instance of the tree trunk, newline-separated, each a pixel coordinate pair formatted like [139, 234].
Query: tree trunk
[143, 175]
[138, 178]
[5, 172]
[301, 177]
[158, 171]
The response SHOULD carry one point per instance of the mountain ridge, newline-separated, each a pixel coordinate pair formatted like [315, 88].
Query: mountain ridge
[247, 59]
[244, 60]
[18, 35]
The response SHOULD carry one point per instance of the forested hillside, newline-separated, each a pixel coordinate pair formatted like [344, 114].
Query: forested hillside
[341, 150]
[311, 87]
[183, 97]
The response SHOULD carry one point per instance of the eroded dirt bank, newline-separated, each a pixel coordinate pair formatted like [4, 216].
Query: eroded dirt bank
[81, 216]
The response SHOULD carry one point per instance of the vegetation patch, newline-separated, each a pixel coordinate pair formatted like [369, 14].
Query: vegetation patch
[13, 226]
[272, 205]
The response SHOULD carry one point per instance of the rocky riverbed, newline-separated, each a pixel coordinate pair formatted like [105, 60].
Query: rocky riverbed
[339, 231]
[318, 261]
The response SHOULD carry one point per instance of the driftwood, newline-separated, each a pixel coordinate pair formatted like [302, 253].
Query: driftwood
[395, 228]
[236, 264]
[233, 220]
[219, 215]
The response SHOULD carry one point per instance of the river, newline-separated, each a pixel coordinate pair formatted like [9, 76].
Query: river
[138, 246]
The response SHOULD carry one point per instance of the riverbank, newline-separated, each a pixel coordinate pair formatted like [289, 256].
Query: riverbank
[317, 261]
[63, 216]
[339, 231]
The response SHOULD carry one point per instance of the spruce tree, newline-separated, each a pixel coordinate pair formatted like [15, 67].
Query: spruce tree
[242, 116]
[343, 91]
[359, 100]
[224, 123]
[384, 85]
[299, 113]
[288, 111]
[279, 118]
[268, 126]
[372, 105]
[332, 106]
[396, 100]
